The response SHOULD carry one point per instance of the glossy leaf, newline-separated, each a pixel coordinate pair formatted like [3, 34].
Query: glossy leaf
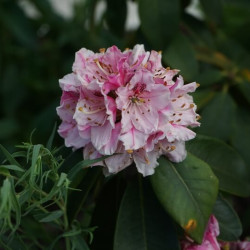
[108, 203]
[116, 16]
[142, 223]
[226, 163]
[159, 20]
[229, 222]
[209, 77]
[241, 134]
[187, 191]
[218, 117]
[245, 89]
[202, 97]
[212, 9]
[181, 55]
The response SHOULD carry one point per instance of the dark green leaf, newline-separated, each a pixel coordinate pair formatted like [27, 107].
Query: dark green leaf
[108, 203]
[202, 97]
[9, 157]
[186, 190]
[18, 24]
[241, 134]
[12, 167]
[78, 243]
[52, 216]
[181, 55]
[218, 117]
[226, 163]
[142, 223]
[245, 89]
[116, 15]
[213, 10]
[159, 20]
[209, 77]
[51, 138]
[229, 222]
[85, 184]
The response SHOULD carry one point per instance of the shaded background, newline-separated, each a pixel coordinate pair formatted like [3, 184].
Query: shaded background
[209, 41]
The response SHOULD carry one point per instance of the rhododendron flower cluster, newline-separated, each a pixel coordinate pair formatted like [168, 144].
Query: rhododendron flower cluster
[126, 104]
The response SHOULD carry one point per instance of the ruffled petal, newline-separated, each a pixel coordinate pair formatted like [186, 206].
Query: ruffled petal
[110, 146]
[70, 82]
[133, 139]
[145, 162]
[67, 106]
[179, 133]
[100, 135]
[90, 153]
[119, 161]
[175, 151]
[70, 133]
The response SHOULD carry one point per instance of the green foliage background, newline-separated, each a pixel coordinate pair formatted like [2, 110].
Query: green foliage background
[213, 50]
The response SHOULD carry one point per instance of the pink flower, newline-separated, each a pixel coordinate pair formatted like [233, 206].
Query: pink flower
[209, 239]
[238, 245]
[128, 104]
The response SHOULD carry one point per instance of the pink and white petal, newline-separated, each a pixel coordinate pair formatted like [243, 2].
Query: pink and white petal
[180, 133]
[152, 140]
[110, 147]
[119, 161]
[67, 106]
[90, 109]
[144, 118]
[145, 162]
[112, 57]
[133, 139]
[100, 135]
[81, 58]
[158, 98]
[175, 151]
[139, 55]
[90, 153]
[84, 116]
[84, 132]
[111, 109]
[70, 82]
[142, 77]
[70, 133]
[178, 84]
[123, 94]
[190, 87]
[154, 61]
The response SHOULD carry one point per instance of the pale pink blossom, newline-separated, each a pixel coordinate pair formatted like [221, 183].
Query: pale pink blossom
[126, 104]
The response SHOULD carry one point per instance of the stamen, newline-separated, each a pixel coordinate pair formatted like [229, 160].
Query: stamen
[100, 67]
[102, 50]
[147, 160]
[129, 151]
[90, 112]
